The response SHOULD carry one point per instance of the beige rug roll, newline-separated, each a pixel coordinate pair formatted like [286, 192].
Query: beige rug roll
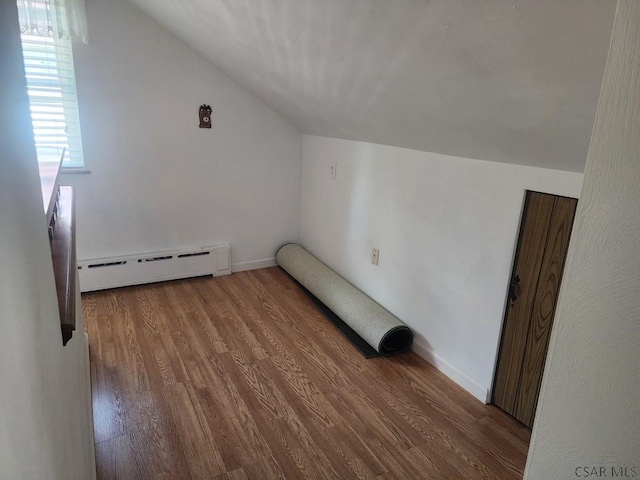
[377, 326]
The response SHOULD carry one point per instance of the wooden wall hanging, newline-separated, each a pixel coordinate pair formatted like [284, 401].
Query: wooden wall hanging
[205, 116]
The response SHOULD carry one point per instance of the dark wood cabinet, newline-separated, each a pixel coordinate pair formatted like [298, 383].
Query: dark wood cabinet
[59, 206]
[63, 253]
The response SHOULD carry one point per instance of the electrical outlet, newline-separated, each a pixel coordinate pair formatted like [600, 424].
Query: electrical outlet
[375, 256]
[334, 170]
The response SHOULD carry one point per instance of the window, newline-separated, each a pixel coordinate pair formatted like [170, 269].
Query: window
[51, 86]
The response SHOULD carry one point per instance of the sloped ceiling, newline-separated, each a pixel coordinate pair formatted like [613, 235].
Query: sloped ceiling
[512, 81]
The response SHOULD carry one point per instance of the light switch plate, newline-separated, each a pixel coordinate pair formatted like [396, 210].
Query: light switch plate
[334, 170]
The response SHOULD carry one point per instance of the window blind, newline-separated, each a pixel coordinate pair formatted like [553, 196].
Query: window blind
[51, 87]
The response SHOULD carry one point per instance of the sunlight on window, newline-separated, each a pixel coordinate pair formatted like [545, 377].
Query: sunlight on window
[48, 63]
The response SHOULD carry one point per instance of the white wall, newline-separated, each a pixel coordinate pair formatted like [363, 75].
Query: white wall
[158, 181]
[589, 410]
[45, 429]
[446, 228]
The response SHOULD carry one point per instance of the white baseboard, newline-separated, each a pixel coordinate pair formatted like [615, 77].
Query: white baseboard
[253, 264]
[475, 389]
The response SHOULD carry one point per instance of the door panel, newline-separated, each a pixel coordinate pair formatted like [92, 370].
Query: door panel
[544, 308]
[533, 235]
[542, 245]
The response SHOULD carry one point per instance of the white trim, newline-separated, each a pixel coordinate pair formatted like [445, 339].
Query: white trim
[253, 265]
[475, 389]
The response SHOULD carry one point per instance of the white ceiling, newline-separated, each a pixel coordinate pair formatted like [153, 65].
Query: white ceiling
[505, 80]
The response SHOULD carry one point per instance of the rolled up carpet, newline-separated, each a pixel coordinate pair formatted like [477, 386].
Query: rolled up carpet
[373, 323]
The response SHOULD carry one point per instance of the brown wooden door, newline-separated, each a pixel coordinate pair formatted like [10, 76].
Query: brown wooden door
[545, 230]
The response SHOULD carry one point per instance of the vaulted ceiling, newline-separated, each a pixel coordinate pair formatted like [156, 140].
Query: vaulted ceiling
[512, 81]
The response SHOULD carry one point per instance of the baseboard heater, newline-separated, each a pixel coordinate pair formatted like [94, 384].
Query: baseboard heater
[113, 272]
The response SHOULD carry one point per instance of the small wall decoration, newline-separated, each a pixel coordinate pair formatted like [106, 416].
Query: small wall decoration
[205, 116]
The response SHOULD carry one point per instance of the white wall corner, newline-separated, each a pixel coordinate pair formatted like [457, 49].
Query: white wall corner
[470, 385]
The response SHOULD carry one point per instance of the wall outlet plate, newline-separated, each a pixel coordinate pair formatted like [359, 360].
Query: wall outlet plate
[375, 256]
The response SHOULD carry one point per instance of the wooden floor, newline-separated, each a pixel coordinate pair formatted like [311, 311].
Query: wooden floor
[241, 377]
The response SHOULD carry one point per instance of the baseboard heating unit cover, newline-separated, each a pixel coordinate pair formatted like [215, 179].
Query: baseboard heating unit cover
[369, 320]
[113, 272]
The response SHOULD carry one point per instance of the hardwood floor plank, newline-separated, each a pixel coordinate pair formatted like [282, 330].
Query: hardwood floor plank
[339, 452]
[266, 468]
[241, 377]
[192, 362]
[293, 443]
[108, 419]
[253, 385]
[348, 440]
[197, 316]
[314, 322]
[394, 460]
[200, 446]
[238, 474]
[116, 459]
[157, 455]
[301, 394]
[240, 443]
[370, 424]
